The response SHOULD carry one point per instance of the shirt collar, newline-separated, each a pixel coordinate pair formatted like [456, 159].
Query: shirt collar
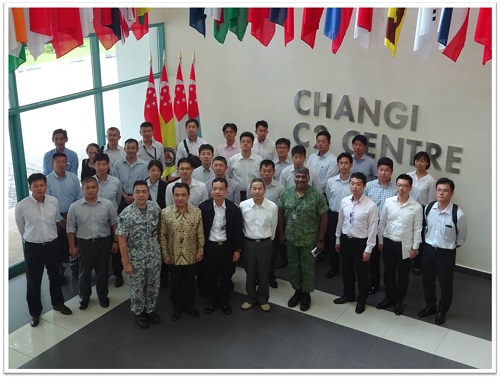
[223, 205]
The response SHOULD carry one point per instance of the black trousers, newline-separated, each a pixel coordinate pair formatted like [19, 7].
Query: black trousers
[374, 266]
[333, 255]
[94, 255]
[62, 247]
[351, 251]
[440, 263]
[37, 258]
[218, 264]
[396, 271]
[274, 255]
[182, 286]
[257, 260]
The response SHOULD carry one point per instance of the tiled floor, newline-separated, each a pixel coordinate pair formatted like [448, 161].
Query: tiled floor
[327, 337]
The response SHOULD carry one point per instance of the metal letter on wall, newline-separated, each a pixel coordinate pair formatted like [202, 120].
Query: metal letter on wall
[296, 101]
[296, 129]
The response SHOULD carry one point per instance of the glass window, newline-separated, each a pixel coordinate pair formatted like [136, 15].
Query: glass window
[48, 77]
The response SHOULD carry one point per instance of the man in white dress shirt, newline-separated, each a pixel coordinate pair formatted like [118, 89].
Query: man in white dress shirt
[112, 148]
[399, 235]
[197, 189]
[260, 219]
[205, 172]
[324, 162]
[149, 149]
[355, 238]
[263, 147]
[231, 146]
[193, 141]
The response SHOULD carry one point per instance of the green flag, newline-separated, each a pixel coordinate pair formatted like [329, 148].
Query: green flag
[16, 61]
[238, 20]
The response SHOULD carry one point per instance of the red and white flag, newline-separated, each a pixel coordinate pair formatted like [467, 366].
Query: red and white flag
[180, 105]
[193, 110]
[483, 32]
[151, 106]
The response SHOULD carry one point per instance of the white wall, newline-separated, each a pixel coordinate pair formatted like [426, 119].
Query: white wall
[243, 82]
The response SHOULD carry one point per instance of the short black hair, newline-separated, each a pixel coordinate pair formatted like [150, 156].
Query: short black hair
[205, 147]
[146, 124]
[360, 138]
[359, 176]
[261, 123]
[266, 163]
[140, 182]
[299, 149]
[425, 155]
[132, 140]
[324, 133]
[59, 154]
[406, 177]
[93, 145]
[247, 134]
[230, 126]
[193, 120]
[35, 177]
[220, 179]
[385, 161]
[220, 158]
[446, 180]
[155, 163]
[185, 160]
[60, 131]
[181, 185]
[283, 141]
[257, 179]
[302, 169]
[101, 157]
[87, 179]
[344, 155]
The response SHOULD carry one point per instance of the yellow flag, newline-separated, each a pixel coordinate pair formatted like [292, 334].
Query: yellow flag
[395, 20]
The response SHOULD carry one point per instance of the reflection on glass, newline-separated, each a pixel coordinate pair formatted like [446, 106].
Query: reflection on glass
[48, 77]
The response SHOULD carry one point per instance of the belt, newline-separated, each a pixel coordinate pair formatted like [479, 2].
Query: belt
[352, 237]
[41, 244]
[218, 242]
[94, 240]
[257, 240]
[392, 241]
[438, 249]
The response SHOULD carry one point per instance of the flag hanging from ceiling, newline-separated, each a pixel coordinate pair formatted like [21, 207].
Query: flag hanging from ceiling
[285, 18]
[310, 25]
[151, 106]
[238, 20]
[452, 31]
[197, 19]
[262, 28]
[345, 19]
[395, 18]
[17, 38]
[425, 32]
[193, 110]
[167, 124]
[36, 41]
[483, 32]
[180, 105]
[141, 25]
[332, 22]
[363, 26]
[66, 30]
[221, 27]
[105, 34]
[216, 13]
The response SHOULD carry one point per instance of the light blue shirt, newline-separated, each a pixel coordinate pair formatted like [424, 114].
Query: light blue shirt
[71, 165]
[365, 165]
[326, 167]
[129, 173]
[336, 189]
[379, 193]
[66, 189]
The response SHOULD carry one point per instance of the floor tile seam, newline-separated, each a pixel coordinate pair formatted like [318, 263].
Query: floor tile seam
[20, 352]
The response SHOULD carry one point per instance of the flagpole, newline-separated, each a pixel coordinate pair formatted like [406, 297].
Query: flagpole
[150, 58]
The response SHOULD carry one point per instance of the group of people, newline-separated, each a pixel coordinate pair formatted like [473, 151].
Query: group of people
[245, 202]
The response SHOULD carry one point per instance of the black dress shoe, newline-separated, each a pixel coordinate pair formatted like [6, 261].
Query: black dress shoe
[281, 264]
[331, 273]
[360, 307]
[343, 299]
[273, 283]
[153, 318]
[226, 310]
[426, 312]
[119, 281]
[209, 309]
[305, 302]
[62, 309]
[295, 299]
[35, 320]
[384, 304]
[194, 313]
[373, 289]
[176, 315]
[104, 302]
[440, 317]
[398, 308]
[83, 304]
[142, 320]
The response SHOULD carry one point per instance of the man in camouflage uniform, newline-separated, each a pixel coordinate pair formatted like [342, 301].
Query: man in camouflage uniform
[302, 226]
[137, 232]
